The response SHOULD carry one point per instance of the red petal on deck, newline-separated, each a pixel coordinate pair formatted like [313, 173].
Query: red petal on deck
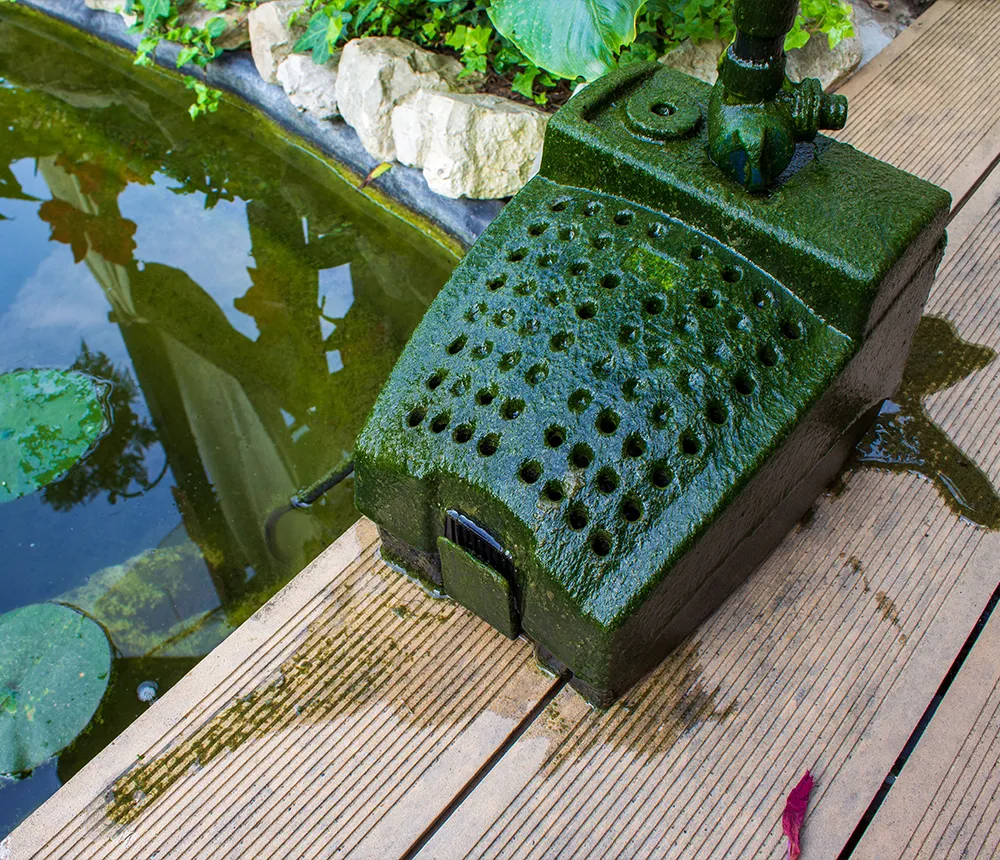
[795, 813]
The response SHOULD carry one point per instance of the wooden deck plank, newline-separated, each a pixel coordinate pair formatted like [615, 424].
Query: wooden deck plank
[945, 804]
[777, 665]
[929, 103]
[826, 659]
[342, 718]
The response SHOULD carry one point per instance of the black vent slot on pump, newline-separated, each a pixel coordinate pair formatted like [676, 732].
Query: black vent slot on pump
[478, 542]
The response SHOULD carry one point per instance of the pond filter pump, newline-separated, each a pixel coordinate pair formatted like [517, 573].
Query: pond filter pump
[652, 362]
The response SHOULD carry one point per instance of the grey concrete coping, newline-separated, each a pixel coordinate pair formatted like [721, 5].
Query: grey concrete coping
[234, 72]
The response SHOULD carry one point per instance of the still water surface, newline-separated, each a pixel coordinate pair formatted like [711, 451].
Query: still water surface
[244, 302]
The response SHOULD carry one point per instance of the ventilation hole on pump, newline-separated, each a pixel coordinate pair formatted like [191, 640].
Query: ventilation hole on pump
[567, 234]
[601, 241]
[610, 282]
[457, 345]
[657, 230]
[635, 446]
[767, 355]
[716, 413]
[577, 517]
[436, 378]
[525, 288]
[586, 311]
[559, 205]
[476, 311]
[511, 409]
[578, 268]
[554, 298]
[545, 260]
[553, 492]
[623, 219]
[738, 322]
[660, 476]
[536, 373]
[463, 433]
[481, 350]
[460, 386]
[488, 445]
[579, 400]
[628, 334]
[562, 341]
[529, 327]
[484, 397]
[761, 298]
[607, 480]
[690, 444]
[503, 317]
[555, 436]
[663, 109]
[581, 456]
[633, 387]
[592, 208]
[660, 414]
[531, 471]
[494, 284]
[440, 422]
[708, 299]
[607, 422]
[603, 366]
[698, 252]
[416, 416]
[517, 255]
[654, 305]
[538, 229]
[631, 509]
[732, 275]
[600, 543]
[743, 384]
[509, 360]
[791, 329]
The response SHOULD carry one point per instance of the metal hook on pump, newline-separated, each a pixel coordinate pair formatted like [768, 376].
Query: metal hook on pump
[756, 115]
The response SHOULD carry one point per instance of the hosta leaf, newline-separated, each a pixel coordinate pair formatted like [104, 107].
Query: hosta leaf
[54, 669]
[48, 420]
[571, 38]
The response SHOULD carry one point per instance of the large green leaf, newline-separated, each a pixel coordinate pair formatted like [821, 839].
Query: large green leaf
[571, 38]
[54, 667]
[48, 420]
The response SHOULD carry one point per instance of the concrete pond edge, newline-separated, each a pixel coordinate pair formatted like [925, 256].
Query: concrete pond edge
[235, 73]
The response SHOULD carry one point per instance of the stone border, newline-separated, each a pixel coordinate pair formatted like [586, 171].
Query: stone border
[235, 73]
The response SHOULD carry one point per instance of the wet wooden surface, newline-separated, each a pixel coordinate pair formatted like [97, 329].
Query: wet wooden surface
[355, 716]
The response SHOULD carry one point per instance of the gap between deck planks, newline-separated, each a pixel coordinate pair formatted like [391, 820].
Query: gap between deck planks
[413, 706]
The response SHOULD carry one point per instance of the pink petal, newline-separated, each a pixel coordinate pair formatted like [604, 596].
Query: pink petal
[795, 813]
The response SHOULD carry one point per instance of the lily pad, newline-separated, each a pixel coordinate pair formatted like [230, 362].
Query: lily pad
[48, 421]
[54, 669]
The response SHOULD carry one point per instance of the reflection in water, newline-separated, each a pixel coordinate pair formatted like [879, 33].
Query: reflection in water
[244, 303]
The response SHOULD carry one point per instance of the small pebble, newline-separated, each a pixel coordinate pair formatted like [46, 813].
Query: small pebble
[146, 691]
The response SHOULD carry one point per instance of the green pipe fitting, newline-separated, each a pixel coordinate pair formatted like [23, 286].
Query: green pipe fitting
[756, 115]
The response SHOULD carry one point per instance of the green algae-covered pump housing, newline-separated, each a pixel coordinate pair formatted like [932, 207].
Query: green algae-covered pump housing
[642, 375]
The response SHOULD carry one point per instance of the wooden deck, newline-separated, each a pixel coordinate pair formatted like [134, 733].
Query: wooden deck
[355, 716]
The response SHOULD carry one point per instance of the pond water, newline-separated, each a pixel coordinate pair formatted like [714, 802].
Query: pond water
[244, 303]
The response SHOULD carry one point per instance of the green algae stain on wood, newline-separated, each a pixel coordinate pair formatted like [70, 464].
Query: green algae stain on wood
[48, 421]
[905, 439]
[54, 669]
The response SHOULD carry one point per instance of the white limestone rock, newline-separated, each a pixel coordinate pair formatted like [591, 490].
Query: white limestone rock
[272, 37]
[469, 145]
[700, 61]
[114, 6]
[816, 60]
[311, 87]
[376, 74]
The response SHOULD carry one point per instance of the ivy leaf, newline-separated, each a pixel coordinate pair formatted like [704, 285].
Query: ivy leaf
[186, 55]
[795, 814]
[570, 38]
[153, 12]
[315, 37]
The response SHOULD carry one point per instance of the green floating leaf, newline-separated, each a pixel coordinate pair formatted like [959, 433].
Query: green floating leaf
[54, 667]
[48, 421]
[570, 38]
